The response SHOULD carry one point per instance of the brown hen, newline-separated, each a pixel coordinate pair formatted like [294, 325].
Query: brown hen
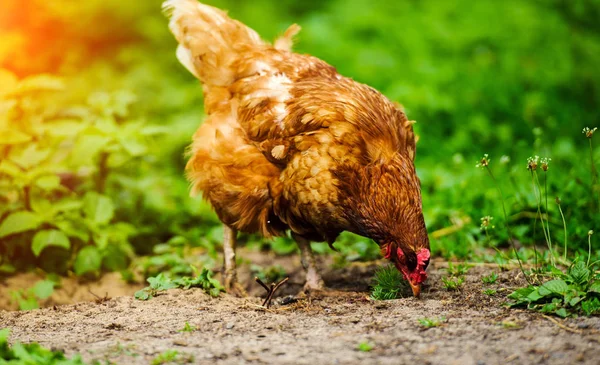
[290, 144]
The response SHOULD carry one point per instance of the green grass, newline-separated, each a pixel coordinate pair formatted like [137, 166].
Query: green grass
[32, 353]
[388, 283]
[490, 279]
[452, 283]
[431, 322]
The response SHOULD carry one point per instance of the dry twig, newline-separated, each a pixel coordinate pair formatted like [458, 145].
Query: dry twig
[270, 290]
[572, 330]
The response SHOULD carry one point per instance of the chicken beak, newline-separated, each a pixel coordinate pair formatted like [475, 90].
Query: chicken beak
[416, 289]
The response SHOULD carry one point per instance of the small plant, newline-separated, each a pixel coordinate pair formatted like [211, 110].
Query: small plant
[431, 322]
[188, 328]
[388, 284]
[451, 283]
[365, 346]
[29, 298]
[32, 353]
[490, 292]
[172, 356]
[161, 282]
[575, 292]
[490, 279]
[458, 270]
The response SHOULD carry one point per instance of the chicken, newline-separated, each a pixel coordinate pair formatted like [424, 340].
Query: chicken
[290, 144]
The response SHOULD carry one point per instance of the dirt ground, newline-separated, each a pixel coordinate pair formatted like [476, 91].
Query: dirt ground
[325, 328]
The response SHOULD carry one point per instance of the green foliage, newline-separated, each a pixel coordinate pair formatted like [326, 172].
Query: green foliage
[490, 292]
[188, 328]
[490, 279]
[32, 353]
[365, 346]
[172, 356]
[28, 299]
[271, 274]
[575, 292]
[161, 282]
[431, 322]
[388, 283]
[453, 283]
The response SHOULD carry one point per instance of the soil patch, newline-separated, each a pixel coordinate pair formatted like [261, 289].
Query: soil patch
[324, 328]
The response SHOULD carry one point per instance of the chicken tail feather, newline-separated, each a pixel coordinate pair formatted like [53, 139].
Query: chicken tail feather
[209, 41]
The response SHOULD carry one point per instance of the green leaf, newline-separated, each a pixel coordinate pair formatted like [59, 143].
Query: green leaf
[51, 237]
[43, 289]
[98, 208]
[29, 156]
[64, 128]
[41, 82]
[553, 287]
[88, 260]
[4, 334]
[86, 148]
[143, 294]
[161, 282]
[10, 168]
[595, 287]
[534, 296]
[562, 312]
[48, 182]
[13, 137]
[74, 228]
[19, 222]
[579, 273]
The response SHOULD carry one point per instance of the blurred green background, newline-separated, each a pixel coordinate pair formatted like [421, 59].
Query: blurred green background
[95, 114]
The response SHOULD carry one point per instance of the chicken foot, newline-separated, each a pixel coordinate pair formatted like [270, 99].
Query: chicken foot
[313, 278]
[232, 286]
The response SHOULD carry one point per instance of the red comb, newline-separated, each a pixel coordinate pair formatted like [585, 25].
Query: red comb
[419, 275]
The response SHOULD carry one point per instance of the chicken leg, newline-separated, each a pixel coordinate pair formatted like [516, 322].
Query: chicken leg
[313, 279]
[232, 286]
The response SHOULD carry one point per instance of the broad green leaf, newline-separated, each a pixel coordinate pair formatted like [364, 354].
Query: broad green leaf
[579, 272]
[133, 147]
[595, 287]
[4, 334]
[29, 156]
[66, 205]
[534, 296]
[41, 205]
[98, 208]
[142, 294]
[51, 237]
[64, 128]
[43, 289]
[19, 222]
[86, 148]
[48, 182]
[562, 312]
[43, 82]
[161, 282]
[12, 136]
[88, 260]
[76, 228]
[553, 287]
[11, 169]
